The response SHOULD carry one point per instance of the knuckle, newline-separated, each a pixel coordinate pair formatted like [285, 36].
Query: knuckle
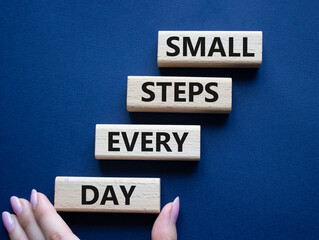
[55, 236]
[25, 221]
[24, 202]
[40, 213]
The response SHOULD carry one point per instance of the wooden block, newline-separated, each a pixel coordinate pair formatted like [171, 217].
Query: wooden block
[88, 194]
[147, 142]
[179, 94]
[233, 49]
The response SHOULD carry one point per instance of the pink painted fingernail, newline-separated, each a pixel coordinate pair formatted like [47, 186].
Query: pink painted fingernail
[33, 198]
[16, 205]
[8, 221]
[175, 210]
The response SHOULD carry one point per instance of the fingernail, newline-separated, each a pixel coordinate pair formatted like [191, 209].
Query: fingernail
[175, 210]
[33, 198]
[16, 205]
[8, 221]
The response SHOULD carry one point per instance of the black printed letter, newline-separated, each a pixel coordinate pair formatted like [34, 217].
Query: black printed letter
[180, 141]
[200, 42]
[231, 48]
[171, 45]
[129, 147]
[164, 89]
[95, 193]
[144, 142]
[212, 92]
[178, 92]
[111, 198]
[220, 48]
[192, 91]
[127, 195]
[148, 91]
[245, 49]
[160, 142]
[112, 141]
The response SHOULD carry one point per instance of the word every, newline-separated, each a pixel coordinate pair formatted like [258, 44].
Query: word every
[161, 141]
[147, 142]
[109, 194]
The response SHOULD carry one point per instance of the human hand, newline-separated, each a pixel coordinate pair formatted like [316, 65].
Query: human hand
[38, 220]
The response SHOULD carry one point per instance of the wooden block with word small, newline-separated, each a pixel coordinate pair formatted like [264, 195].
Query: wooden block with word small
[147, 142]
[179, 94]
[92, 194]
[233, 49]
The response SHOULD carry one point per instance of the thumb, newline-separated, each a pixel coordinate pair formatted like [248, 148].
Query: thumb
[164, 227]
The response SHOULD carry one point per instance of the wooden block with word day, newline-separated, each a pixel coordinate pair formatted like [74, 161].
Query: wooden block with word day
[234, 49]
[179, 94]
[147, 142]
[91, 194]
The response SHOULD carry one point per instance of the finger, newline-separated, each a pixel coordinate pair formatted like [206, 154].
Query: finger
[50, 222]
[13, 227]
[165, 224]
[24, 212]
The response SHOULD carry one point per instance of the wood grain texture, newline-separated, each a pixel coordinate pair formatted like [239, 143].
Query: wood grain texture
[147, 142]
[196, 94]
[145, 196]
[174, 49]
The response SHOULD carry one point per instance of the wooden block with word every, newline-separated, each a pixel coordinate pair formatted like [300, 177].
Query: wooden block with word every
[179, 94]
[147, 142]
[233, 49]
[91, 194]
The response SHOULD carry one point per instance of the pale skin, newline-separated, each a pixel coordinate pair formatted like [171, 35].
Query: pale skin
[37, 219]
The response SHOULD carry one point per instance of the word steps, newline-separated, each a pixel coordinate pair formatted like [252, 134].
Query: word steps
[87, 194]
[221, 49]
[179, 94]
[147, 142]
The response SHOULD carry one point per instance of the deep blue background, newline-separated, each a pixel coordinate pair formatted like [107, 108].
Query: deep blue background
[63, 69]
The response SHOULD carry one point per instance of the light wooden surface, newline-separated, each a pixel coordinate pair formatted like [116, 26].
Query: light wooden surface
[147, 142]
[179, 94]
[209, 49]
[129, 195]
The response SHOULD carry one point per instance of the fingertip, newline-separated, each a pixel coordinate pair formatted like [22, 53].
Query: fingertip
[43, 206]
[41, 196]
[34, 198]
[171, 210]
[8, 221]
[175, 210]
[50, 222]
[44, 201]
[166, 210]
[16, 205]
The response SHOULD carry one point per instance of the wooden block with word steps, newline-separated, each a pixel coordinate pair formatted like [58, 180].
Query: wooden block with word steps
[92, 194]
[233, 49]
[179, 94]
[147, 142]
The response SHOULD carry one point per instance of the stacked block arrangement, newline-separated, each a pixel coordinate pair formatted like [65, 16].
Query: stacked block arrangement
[229, 49]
